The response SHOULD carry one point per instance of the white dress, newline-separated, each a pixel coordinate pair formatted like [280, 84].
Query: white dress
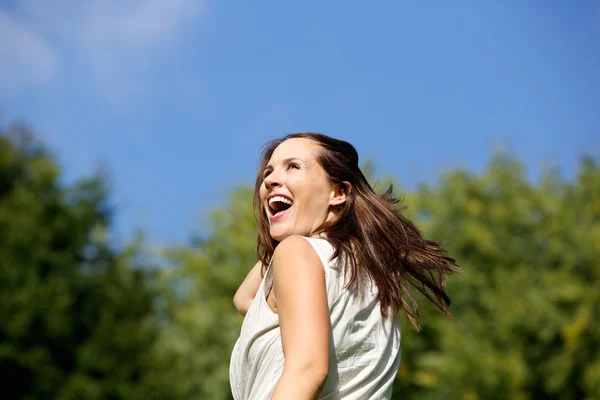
[364, 348]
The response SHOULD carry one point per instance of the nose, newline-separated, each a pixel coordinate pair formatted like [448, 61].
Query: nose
[272, 180]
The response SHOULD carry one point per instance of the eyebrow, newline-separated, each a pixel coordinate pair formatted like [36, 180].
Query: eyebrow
[285, 161]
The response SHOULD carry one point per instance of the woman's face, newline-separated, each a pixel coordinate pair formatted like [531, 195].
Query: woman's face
[295, 192]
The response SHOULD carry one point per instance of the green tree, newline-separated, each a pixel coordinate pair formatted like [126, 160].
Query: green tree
[523, 310]
[76, 313]
[205, 275]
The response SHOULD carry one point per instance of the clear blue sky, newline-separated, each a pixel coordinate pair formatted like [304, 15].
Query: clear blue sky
[178, 96]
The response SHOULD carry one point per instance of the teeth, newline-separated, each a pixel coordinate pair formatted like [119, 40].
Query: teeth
[279, 198]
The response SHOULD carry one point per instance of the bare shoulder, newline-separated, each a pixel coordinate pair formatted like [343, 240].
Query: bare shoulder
[298, 279]
[295, 250]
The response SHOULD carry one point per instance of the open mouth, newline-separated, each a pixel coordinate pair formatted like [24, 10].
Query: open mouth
[278, 205]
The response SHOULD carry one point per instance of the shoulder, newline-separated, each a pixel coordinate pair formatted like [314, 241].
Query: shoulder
[295, 245]
[299, 279]
[296, 250]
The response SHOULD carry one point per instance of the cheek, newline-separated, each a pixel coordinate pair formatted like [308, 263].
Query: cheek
[262, 191]
[318, 200]
[262, 195]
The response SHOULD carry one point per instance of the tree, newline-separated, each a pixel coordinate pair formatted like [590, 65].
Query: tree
[205, 275]
[523, 310]
[76, 313]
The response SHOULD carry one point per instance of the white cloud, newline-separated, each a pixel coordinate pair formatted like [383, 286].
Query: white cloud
[112, 40]
[26, 58]
[135, 25]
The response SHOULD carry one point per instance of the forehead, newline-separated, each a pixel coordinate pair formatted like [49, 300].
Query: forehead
[302, 148]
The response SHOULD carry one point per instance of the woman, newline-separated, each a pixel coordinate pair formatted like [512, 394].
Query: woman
[336, 260]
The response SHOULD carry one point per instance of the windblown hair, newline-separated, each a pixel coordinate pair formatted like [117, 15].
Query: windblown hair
[370, 232]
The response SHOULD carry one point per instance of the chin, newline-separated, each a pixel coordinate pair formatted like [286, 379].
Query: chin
[280, 234]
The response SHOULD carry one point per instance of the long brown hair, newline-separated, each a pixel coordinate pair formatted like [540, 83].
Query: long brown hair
[370, 232]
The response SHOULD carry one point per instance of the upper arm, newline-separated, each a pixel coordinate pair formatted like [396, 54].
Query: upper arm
[301, 296]
[247, 291]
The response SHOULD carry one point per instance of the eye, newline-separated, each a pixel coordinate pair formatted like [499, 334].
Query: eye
[293, 165]
[265, 174]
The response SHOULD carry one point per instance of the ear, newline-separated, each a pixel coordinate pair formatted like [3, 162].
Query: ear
[338, 195]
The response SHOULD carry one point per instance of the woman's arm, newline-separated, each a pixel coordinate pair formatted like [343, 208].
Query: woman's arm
[301, 299]
[247, 290]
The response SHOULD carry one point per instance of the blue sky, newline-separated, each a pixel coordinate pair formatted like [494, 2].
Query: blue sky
[177, 97]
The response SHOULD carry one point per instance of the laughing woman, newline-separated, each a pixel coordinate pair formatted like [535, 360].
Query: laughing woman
[336, 262]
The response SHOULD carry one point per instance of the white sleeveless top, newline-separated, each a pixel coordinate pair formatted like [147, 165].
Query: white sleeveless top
[364, 349]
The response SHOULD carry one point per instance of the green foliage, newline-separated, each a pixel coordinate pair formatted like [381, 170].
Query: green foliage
[76, 321]
[523, 306]
[205, 276]
[82, 319]
[529, 293]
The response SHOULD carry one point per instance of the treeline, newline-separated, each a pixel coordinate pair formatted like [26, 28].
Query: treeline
[83, 317]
